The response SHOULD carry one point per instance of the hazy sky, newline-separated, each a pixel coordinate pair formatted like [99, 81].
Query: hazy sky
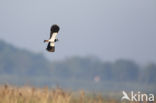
[109, 29]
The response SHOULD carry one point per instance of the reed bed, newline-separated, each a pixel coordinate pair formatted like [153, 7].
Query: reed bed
[28, 94]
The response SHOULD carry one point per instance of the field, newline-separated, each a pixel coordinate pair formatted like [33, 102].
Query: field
[27, 94]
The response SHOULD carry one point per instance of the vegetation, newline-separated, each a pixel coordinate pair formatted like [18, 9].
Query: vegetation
[21, 67]
[27, 94]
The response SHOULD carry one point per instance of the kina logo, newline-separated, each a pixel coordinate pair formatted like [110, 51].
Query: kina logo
[137, 97]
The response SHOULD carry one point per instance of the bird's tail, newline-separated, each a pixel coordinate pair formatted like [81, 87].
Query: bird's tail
[50, 48]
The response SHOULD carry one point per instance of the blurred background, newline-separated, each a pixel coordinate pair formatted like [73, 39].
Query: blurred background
[104, 45]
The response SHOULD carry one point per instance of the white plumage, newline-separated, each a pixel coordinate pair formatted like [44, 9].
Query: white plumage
[51, 42]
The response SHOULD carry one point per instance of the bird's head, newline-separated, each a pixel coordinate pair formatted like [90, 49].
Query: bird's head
[55, 28]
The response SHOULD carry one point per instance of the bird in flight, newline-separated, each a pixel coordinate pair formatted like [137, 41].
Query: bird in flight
[51, 42]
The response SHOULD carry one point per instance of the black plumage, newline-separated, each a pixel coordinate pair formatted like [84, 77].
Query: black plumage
[53, 32]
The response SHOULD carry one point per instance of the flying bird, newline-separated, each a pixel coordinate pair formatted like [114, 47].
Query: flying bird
[51, 42]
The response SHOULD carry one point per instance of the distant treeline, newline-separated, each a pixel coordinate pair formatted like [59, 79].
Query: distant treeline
[90, 68]
[16, 63]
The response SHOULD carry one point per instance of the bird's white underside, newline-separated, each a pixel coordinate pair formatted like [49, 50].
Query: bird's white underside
[52, 44]
[52, 39]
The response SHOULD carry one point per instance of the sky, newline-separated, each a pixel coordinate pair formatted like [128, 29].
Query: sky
[108, 29]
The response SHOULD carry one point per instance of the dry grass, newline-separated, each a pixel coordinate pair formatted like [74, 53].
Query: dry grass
[26, 94]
